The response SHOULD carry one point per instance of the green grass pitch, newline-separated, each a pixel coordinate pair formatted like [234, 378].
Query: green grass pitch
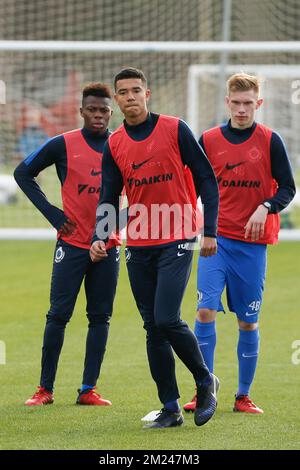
[24, 292]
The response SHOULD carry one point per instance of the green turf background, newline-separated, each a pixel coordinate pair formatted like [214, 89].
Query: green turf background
[24, 293]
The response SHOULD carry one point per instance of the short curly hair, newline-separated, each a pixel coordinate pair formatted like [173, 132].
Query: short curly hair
[101, 90]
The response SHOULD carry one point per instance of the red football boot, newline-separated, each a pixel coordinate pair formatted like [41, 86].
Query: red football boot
[90, 397]
[191, 405]
[245, 405]
[41, 397]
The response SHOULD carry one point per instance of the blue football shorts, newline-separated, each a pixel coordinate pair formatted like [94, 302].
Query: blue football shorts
[241, 268]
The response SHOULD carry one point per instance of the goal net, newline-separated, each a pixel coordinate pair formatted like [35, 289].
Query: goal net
[40, 84]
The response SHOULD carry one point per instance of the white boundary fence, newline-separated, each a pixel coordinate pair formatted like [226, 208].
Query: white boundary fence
[50, 234]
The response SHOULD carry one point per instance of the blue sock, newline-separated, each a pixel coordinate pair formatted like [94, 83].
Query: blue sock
[247, 350]
[86, 387]
[206, 337]
[172, 406]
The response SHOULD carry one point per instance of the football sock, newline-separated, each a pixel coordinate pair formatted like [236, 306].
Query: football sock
[172, 406]
[247, 351]
[206, 337]
[86, 387]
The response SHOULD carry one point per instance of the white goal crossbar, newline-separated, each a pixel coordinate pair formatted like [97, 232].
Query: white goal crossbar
[151, 46]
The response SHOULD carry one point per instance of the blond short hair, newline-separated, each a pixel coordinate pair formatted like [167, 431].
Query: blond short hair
[242, 82]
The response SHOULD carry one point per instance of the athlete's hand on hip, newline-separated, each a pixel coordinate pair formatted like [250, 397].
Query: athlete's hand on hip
[68, 227]
[255, 227]
[208, 246]
[98, 251]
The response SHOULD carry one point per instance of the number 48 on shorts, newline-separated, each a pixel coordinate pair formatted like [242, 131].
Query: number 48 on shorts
[253, 308]
[255, 305]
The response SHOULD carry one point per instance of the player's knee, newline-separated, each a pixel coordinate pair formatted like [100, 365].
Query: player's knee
[162, 324]
[206, 315]
[98, 319]
[165, 324]
[168, 327]
[154, 336]
[244, 326]
[58, 318]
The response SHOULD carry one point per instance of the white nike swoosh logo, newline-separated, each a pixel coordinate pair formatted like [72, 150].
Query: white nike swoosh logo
[249, 355]
[180, 254]
[250, 314]
[203, 344]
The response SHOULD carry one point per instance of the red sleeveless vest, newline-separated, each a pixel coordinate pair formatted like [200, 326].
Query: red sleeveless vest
[81, 189]
[245, 180]
[160, 189]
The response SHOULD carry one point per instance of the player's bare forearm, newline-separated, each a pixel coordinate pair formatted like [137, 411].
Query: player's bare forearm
[255, 227]
[208, 246]
[98, 251]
